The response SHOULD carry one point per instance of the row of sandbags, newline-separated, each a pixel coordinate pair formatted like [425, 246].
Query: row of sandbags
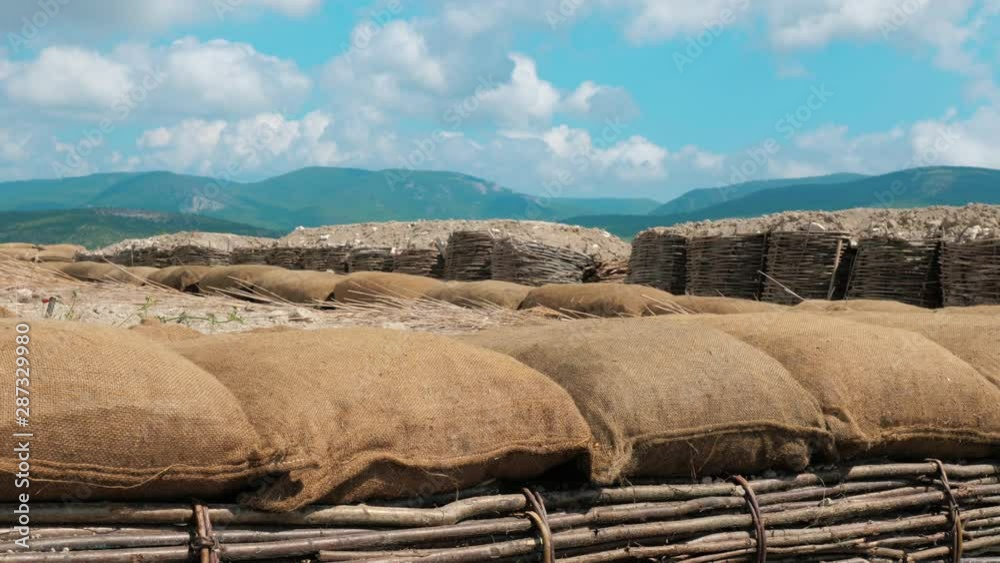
[40, 253]
[572, 300]
[342, 415]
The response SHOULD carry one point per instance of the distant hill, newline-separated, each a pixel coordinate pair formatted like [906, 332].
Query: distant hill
[917, 187]
[95, 228]
[701, 198]
[308, 197]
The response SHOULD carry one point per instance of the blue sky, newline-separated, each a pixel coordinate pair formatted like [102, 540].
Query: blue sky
[561, 97]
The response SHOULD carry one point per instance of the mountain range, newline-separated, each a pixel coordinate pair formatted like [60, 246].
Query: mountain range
[309, 197]
[89, 209]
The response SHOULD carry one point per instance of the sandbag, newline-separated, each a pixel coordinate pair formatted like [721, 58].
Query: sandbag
[488, 293]
[884, 391]
[389, 414]
[973, 338]
[298, 286]
[59, 253]
[181, 278]
[17, 251]
[666, 399]
[601, 300]
[96, 272]
[221, 279]
[121, 417]
[142, 272]
[154, 329]
[861, 305]
[723, 305]
[370, 287]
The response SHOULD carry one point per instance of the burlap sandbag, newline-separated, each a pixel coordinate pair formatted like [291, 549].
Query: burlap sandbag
[298, 286]
[390, 413]
[97, 272]
[369, 287]
[59, 253]
[154, 329]
[181, 278]
[723, 305]
[601, 300]
[117, 416]
[18, 252]
[861, 305]
[973, 338]
[142, 272]
[489, 293]
[223, 279]
[664, 399]
[884, 391]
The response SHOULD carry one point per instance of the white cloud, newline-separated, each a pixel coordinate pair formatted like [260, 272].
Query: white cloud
[186, 77]
[525, 99]
[224, 77]
[71, 77]
[260, 144]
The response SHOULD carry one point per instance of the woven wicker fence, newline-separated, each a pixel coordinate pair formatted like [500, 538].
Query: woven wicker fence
[803, 265]
[970, 273]
[659, 260]
[288, 257]
[249, 256]
[469, 256]
[886, 512]
[323, 258]
[897, 270]
[534, 263]
[419, 262]
[729, 266]
[370, 260]
[187, 255]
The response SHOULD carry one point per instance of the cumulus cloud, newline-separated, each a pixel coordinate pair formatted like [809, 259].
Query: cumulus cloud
[68, 77]
[526, 98]
[263, 143]
[187, 76]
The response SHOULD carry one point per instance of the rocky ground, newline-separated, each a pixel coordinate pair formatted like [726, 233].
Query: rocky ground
[970, 222]
[427, 234]
[219, 241]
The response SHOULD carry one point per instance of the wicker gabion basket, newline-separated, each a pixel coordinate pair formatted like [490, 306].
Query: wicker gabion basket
[929, 511]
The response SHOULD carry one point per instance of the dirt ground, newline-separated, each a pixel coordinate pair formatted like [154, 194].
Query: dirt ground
[967, 223]
[25, 289]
